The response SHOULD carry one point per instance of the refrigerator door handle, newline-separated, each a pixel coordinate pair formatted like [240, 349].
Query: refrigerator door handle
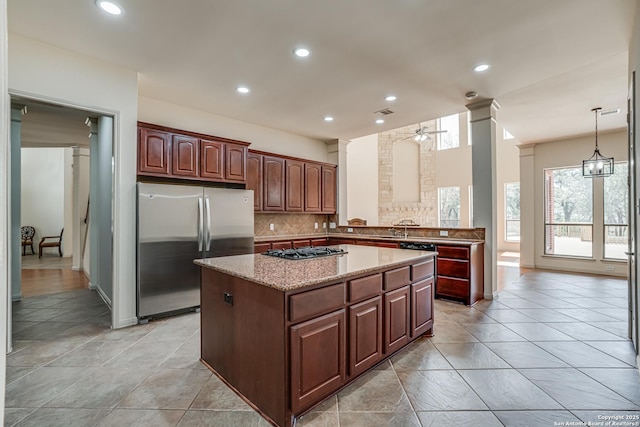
[200, 218]
[208, 230]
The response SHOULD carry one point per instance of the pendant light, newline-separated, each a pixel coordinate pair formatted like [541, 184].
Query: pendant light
[597, 165]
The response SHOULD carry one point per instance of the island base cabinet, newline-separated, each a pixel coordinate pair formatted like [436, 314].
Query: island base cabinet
[396, 319]
[422, 307]
[318, 359]
[365, 335]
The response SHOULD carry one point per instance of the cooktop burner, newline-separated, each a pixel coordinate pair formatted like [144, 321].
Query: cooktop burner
[304, 253]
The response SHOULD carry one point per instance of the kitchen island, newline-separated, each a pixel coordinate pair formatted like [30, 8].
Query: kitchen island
[286, 334]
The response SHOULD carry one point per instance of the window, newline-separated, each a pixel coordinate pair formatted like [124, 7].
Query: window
[449, 203]
[568, 213]
[512, 211]
[616, 206]
[450, 138]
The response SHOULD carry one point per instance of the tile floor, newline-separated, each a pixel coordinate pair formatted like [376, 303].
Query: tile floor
[551, 349]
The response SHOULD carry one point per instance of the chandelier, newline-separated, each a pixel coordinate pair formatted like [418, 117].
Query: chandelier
[597, 165]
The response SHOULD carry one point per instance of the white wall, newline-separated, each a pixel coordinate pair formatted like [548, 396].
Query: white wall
[67, 241]
[453, 169]
[261, 138]
[41, 71]
[362, 179]
[43, 191]
[508, 171]
[567, 153]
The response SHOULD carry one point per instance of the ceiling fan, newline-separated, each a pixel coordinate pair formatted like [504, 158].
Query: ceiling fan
[422, 134]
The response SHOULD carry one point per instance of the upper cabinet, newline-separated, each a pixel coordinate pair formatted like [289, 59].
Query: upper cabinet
[154, 150]
[173, 153]
[287, 184]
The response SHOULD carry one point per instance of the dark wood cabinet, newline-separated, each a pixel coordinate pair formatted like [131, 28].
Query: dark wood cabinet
[254, 178]
[212, 155]
[324, 241]
[185, 156]
[294, 186]
[329, 189]
[258, 248]
[312, 187]
[396, 319]
[154, 152]
[421, 307]
[235, 165]
[273, 183]
[282, 245]
[341, 241]
[313, 378]
[460, 273]
[365, 335]
[302, 243]
[173, 153]
[378, 244]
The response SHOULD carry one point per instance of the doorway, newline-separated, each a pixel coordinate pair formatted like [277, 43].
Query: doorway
[81, 142]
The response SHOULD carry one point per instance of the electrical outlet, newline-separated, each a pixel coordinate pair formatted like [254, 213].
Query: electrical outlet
[610, 268]
[272, 227]
[444, 233]
[315, 225]
[332, 225]
[349, 230]
[324, 225]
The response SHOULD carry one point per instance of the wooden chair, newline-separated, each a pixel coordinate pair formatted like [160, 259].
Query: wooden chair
[52, 244]
[27, 233]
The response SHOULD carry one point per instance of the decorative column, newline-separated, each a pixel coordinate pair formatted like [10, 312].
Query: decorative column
[485, 192]
[15, 245]
[527, 218]
[337, 150]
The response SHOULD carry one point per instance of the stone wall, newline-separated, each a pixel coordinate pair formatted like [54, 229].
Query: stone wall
[424, 211]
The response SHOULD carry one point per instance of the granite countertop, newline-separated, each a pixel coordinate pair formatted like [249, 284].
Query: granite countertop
[286, 275]
[413, 239]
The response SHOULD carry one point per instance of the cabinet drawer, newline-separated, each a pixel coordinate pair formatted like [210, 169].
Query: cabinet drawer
[261, 247]
[422, 270]
[301, 243]
[319, 242]
[316, 302]
[453, 268]
[397, 278]
[281, 245]
[452, 287]
[458, 252]
[365, 287]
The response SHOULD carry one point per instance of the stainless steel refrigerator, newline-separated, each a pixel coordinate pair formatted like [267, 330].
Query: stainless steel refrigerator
[177, 224]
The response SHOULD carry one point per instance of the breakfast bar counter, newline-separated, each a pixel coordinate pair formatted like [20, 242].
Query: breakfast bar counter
[286, 334]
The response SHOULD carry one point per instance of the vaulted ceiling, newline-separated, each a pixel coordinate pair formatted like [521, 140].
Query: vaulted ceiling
[551, 60]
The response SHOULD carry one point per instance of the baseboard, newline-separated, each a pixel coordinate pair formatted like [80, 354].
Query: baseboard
[493, 295]
[15, 298]
[92, 286]
[75, 268]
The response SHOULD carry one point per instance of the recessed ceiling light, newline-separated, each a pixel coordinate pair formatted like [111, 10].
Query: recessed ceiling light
[328, 118]
[390, 98]
[301, 52]
[242, 89]
[109, 7]
[379, 121]
[481, 67]
[471, 95]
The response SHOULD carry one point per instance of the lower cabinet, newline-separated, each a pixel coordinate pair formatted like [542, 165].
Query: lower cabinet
[396, 319]
[421, 307]
[318, 358]
[365, 335]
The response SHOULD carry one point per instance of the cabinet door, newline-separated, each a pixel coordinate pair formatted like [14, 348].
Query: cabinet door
[312, 187]
[318, 359]
[254, 179]
[421, 307]
[185, 156]
[258, 248]
[396, 319]
[235, 168]
[294, 186]
[365, 335]
[273, 183]
[282, 245]
[329, 190]
[320, 242]
[154, 152]
[212, 155]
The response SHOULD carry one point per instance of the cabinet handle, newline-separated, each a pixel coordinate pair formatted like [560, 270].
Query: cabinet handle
[629, 253]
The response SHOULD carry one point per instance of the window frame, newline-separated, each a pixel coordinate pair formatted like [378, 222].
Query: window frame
[604, 222]
[506, 217]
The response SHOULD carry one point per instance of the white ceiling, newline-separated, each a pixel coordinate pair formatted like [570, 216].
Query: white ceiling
[551, 60]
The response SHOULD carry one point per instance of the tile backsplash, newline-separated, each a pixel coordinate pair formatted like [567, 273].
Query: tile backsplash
[288, 224]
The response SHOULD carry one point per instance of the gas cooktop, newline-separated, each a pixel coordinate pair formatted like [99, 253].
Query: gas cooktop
[304, 253]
